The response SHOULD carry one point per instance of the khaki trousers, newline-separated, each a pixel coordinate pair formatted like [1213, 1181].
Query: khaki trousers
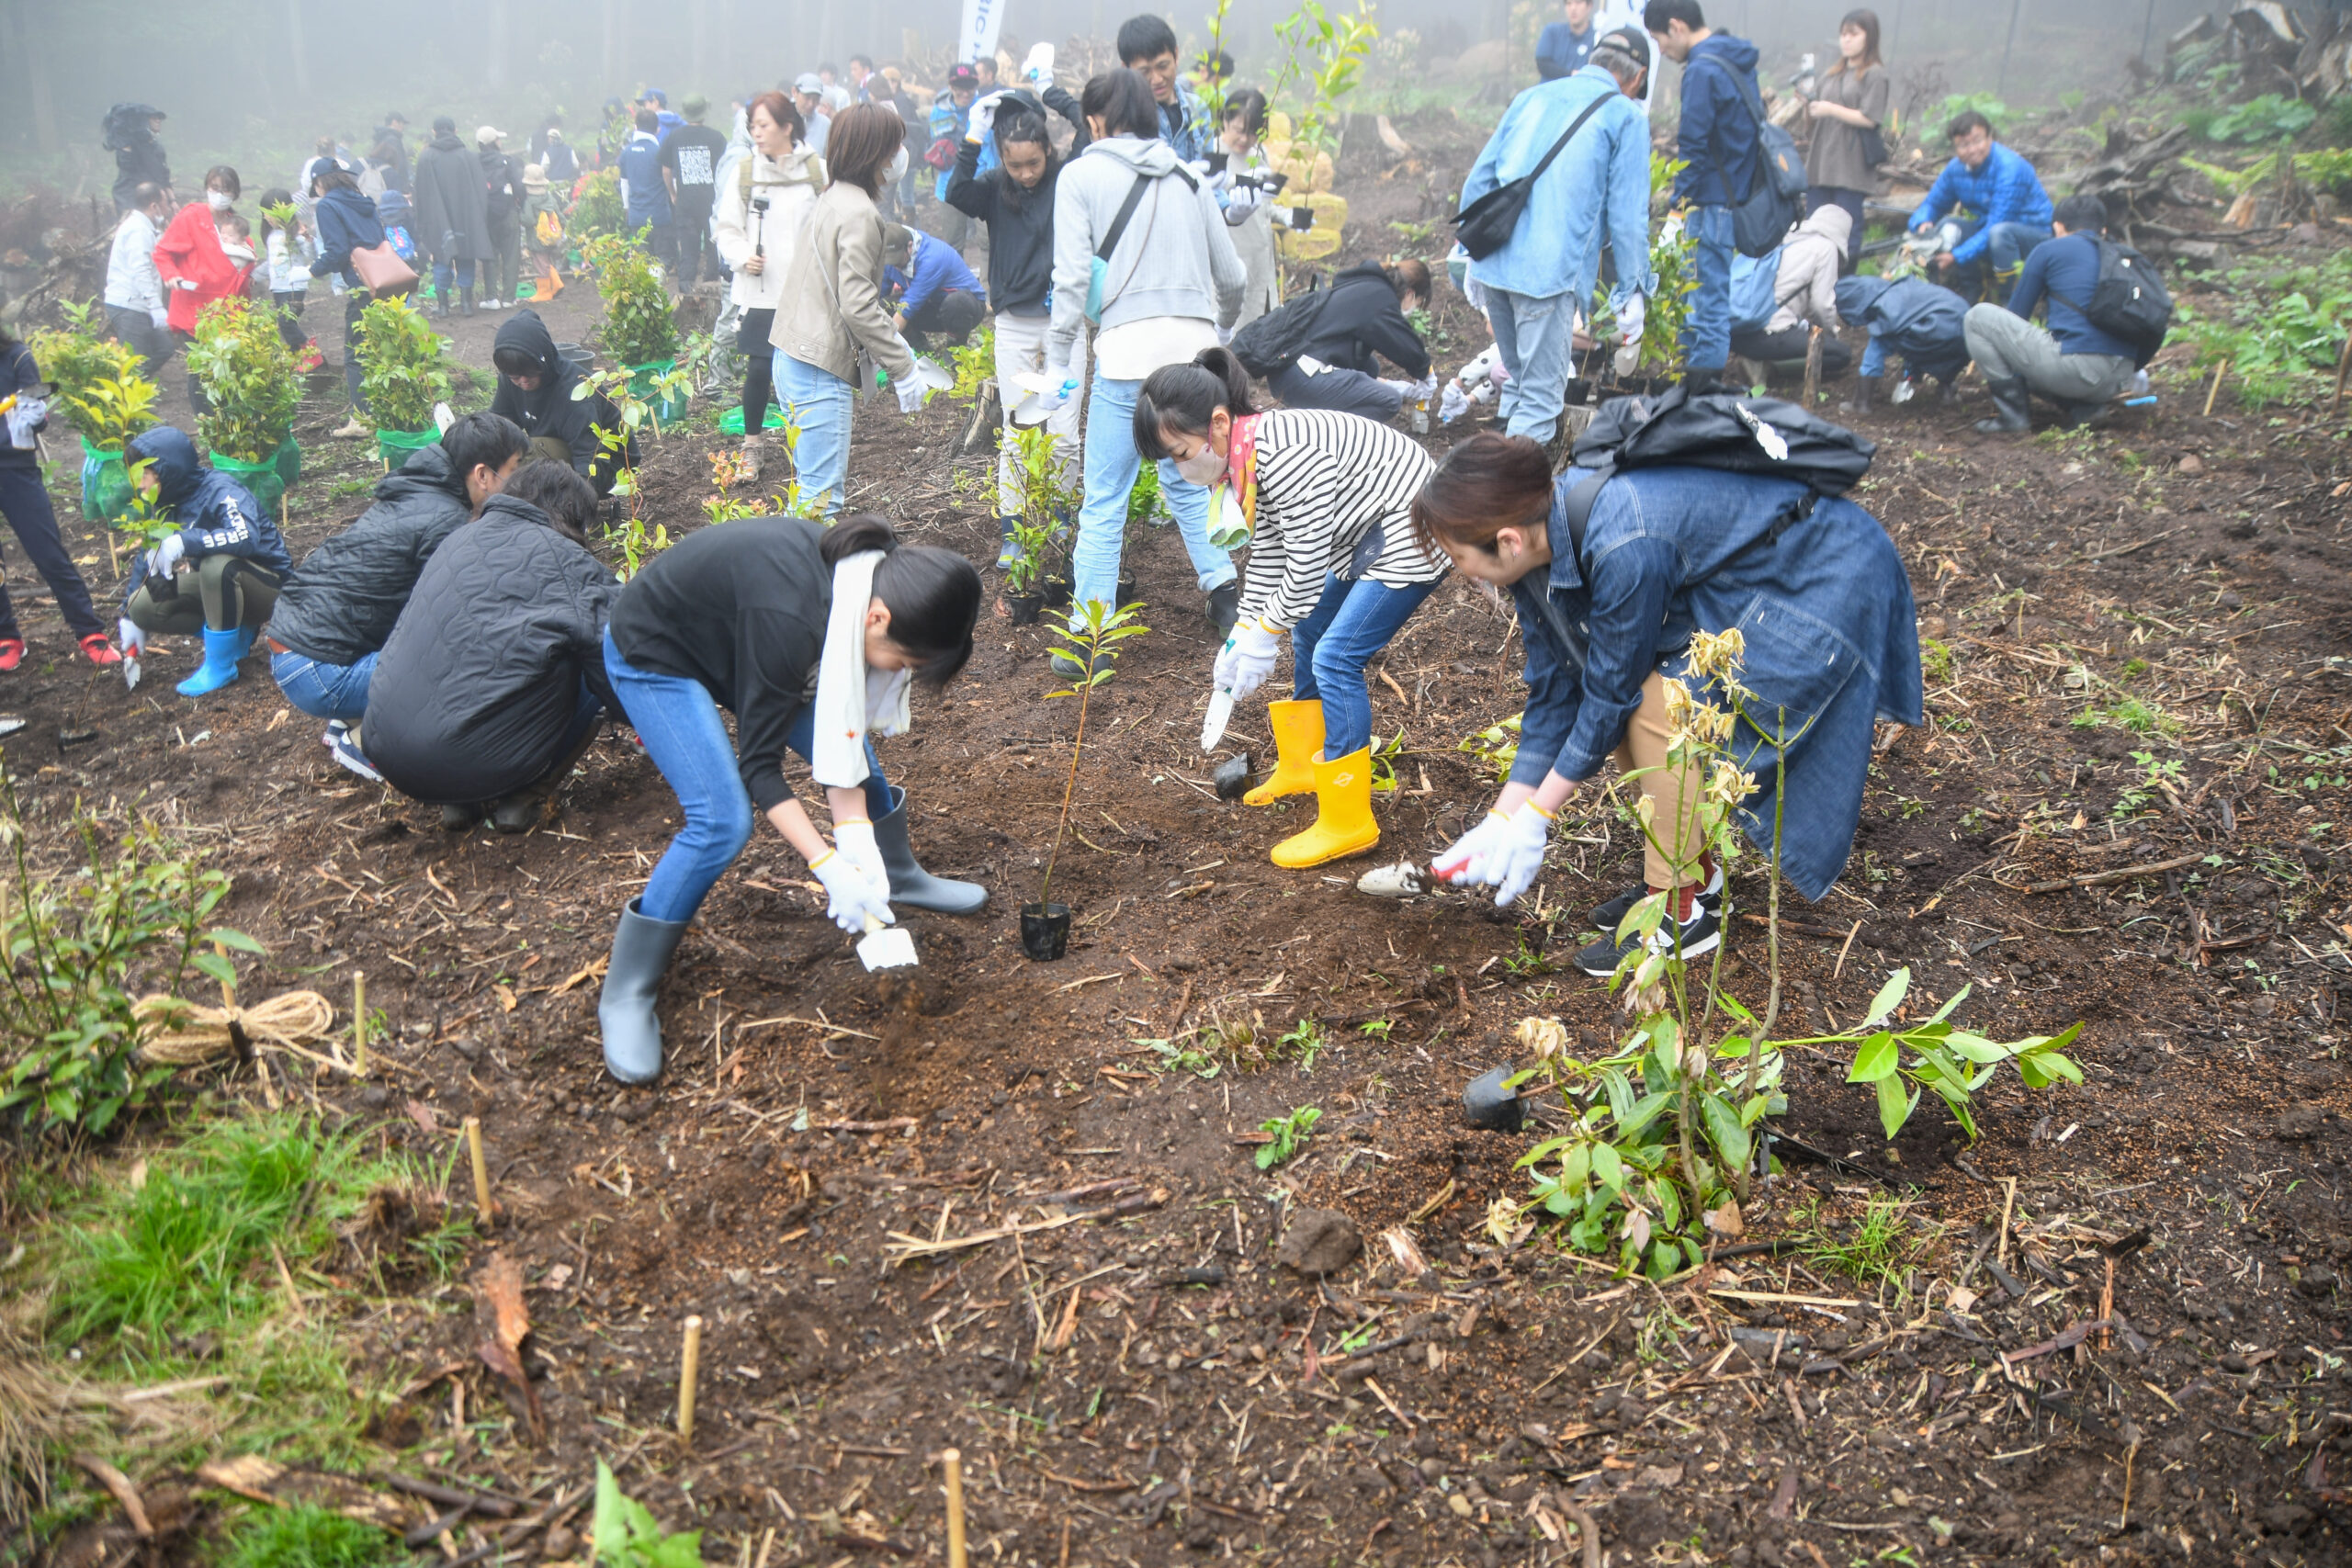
[1676, 793]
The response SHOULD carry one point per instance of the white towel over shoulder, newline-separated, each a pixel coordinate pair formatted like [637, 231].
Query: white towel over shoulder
[852, 700]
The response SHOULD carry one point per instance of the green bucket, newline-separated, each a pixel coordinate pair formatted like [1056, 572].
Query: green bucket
[640, 382]
[396, 445]
[106, 484]
[732, 422]
[260, 477]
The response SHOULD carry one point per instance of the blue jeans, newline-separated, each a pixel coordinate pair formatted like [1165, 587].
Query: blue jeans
[678, 721]
[323, 690]
[1112, 464]
[819, 402]
[443, 272]
[1351, 622]
[1535, 337]
[1706, 333]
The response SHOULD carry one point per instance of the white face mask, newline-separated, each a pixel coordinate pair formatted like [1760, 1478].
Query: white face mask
[1204, 467]
[218, 200]
[897, 169]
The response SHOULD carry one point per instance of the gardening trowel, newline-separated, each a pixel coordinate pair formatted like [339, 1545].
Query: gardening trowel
[1220, 713]
[1041, 398]
[130, 672]
[886, 947]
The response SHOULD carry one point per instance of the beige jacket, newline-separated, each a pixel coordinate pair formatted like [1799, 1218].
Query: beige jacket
[832, 305]
[1806, 286]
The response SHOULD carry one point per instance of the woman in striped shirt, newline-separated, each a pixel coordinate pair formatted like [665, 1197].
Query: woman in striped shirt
[1328, 499]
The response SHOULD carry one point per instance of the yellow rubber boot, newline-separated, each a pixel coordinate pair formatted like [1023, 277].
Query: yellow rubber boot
[1298, 736]
[1343, 822]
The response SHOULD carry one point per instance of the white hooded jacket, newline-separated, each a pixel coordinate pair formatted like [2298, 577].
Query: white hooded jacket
[790, 188]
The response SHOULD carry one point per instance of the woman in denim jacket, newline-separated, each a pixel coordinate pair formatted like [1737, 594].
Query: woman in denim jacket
[1815, 590]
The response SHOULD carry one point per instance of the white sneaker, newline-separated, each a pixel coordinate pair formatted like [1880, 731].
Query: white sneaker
[1406, 879]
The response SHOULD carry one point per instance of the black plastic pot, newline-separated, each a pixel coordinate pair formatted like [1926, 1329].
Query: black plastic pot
[1487, 1104]
[1125, 593]
[1232, 777]
[1044, 931]
[1025, 607]
[1055, 592]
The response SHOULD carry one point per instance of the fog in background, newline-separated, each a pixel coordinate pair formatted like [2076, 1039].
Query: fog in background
[254, 83]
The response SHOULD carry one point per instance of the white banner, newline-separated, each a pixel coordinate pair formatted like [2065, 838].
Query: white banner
[983, 19]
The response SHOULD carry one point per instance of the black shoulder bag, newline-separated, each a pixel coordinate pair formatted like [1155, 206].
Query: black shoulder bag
[1486, 225]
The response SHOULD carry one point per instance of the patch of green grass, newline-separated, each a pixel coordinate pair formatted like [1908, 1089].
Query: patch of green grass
[304, 1536]
[2128, 713]
[1290, 1135]
[1935, 661]
[1882, 1245]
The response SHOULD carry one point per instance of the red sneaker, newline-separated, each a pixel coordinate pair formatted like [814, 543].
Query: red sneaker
[101, 649]
[12, 652]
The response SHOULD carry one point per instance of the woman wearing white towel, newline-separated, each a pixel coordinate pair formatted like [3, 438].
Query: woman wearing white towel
[753, 617]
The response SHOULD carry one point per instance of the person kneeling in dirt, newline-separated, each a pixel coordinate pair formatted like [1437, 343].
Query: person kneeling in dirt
[1328, 499]
[224, 540]
[1362, 314]
[935, 294]
[1804, 288]
[491, 684]
[2073, 364]
[535, 388]
[1610, 614]
[335, 618]
[752, 617]
[1918, 320]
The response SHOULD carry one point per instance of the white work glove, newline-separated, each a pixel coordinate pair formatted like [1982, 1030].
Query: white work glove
[168, 555]
[25, 422]
[851, 896]
[1518, 860]
[911, 393]
[1632, 316]
[984, 117]
[1464, 863]
[186, 283]
[1452, 403]
[1064, 384]
[854, 839]
[133, 640]
[1424, 387]
[163, 320]
[1247, 658]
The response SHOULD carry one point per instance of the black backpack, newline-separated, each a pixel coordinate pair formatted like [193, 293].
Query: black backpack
[1275, 340]
[2129, 303]
[1719, 430]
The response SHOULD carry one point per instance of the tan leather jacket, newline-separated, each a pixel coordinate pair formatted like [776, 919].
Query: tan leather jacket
[832, 305]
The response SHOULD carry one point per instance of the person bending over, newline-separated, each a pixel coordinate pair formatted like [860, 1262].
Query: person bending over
[25, 502]
[1610, 616]
[535, 388]
[222, 538]
[1328, 499]
[1922, 321]
[753, 617]
[493, 682]
[1363, 317]
[333, 620]
[2073, 364]
[935, 293]
[1804, 292]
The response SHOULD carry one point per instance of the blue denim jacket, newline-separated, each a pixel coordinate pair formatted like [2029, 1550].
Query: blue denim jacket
[1598, 189]
[1825, 611]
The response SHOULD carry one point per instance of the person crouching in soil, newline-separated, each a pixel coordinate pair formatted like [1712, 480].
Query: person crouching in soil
[535, 388]
[493, 681]
[1328, 499]
[753, 617]
[1812, 586]
[224, 540]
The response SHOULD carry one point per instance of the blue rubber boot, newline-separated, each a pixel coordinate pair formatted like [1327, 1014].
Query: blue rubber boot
[246, 636]
[219, 666]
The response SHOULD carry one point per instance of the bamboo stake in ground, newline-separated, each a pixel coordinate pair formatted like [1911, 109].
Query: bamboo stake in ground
[952, 1462]
[2219, 371]
[482, 1210]
[689, 1370]
[1812, 369]
[358, 1024]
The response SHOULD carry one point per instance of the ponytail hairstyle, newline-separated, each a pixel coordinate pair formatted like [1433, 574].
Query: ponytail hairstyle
[1407, 276]
[1484, 485]
[1184, 397]
[934, 596]
[1122, 100]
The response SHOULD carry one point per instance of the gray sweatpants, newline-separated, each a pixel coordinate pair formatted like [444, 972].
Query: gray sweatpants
[2007, 347]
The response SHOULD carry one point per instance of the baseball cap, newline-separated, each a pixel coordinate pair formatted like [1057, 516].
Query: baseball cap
[807, 82]
[656, 96]
[443, 125]
[962, 76]
[1629, 40]
[490, 133]
[695, 105]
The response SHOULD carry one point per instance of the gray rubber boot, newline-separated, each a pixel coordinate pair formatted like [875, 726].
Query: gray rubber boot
[909, 884]
[2009, 406]
[642, 951]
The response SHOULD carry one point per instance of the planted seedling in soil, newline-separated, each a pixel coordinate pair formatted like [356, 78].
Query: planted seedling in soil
[1092, 642]
[1289, 1136]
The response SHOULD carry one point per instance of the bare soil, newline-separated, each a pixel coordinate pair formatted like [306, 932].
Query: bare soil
[1152, 1385]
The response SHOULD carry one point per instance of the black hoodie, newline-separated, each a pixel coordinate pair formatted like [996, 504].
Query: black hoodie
[351, 589]
[548, 410]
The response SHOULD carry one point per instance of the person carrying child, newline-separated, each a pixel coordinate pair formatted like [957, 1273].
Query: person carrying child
[287, 254]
